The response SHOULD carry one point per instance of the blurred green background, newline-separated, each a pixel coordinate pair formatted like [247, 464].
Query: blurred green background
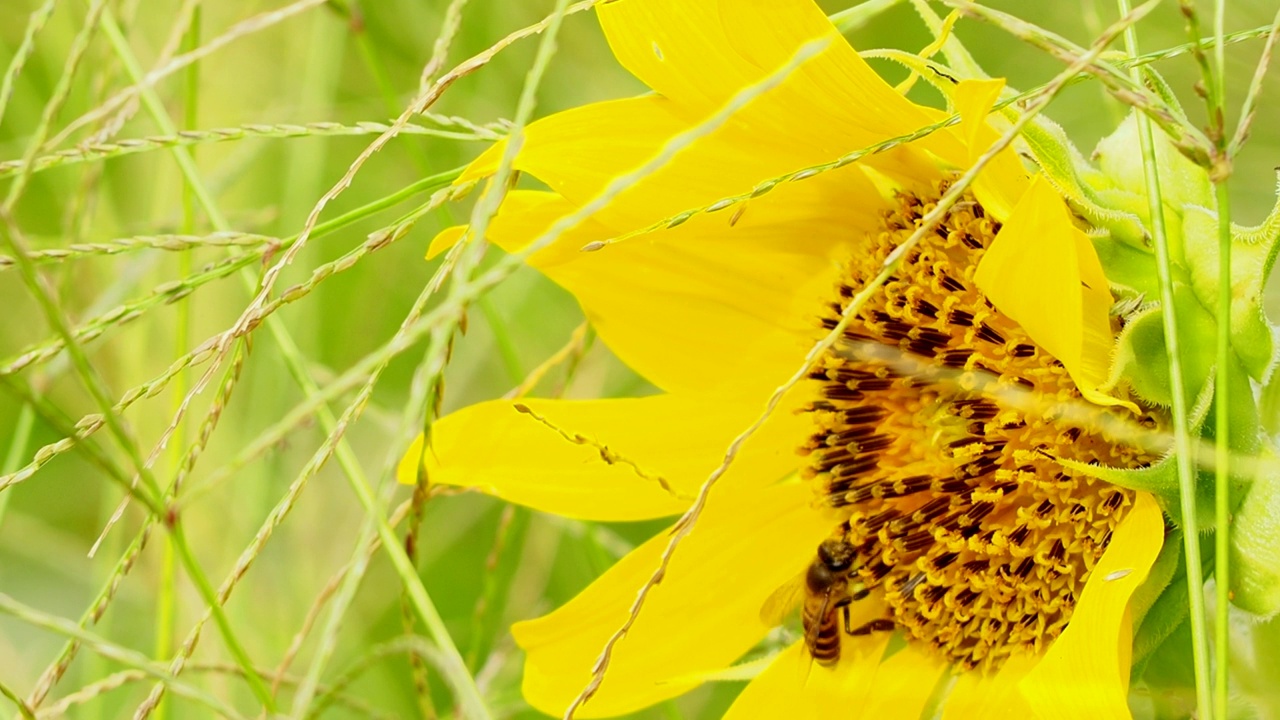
[348, 63]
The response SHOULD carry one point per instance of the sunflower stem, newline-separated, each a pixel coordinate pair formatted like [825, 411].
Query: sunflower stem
[1181, 426]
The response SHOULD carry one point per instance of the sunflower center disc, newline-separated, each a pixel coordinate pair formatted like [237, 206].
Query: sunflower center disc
[939, 432]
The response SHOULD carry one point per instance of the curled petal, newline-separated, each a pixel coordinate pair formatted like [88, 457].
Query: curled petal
[1044, 273]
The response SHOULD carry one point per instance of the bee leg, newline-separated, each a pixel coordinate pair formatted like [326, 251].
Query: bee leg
[848, 627]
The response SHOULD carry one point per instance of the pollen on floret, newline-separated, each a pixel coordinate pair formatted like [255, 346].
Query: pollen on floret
[938, 431]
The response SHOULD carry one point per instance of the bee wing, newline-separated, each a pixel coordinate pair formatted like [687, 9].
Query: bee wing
[782, 601]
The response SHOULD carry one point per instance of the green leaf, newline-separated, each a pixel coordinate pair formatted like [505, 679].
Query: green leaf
[1162, 658]
[1255, 543]
[1141, 350]
[1253, 253]
[1128, 267]
[1072, 176]
[1182, 182]
[1160, 604]
[1168, 680]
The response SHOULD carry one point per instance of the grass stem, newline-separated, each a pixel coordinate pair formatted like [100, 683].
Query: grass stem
[1183, 454]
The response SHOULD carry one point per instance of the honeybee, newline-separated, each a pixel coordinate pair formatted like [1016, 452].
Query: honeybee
[824, 592]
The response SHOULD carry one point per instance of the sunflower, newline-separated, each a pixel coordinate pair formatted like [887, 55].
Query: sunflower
[948, 535]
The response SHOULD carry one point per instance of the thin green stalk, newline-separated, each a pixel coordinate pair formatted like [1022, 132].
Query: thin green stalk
[64, 427]
[418, 397]
[75, 54]
[854, 18]
[49, 305]
[1181, 426]
[23, 709]
[1222, 408]
[166, 601]
[466, 262]
[390, 99]
[499, 572]
[155, 107]
[317, 67]
[125, 656]
[179, 539]
[17, 448]
[99, 14]
[507, 349]
[470, 695]
[1222, 460]
[154, 386]
[38, 18]
[1219, 167]
[150, 491]
[1176, 50]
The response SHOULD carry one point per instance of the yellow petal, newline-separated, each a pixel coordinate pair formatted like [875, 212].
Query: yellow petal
[522, 217]
[903, 684]
[700, 618]
[699, 54]
[796, 687]
[1085, 674]
[830, 106]
[1003, 180]
[974, 100]
[711, 302]
[604, 460]
[445, 239]
[979, 696]
[578, 152]
[1044, 273]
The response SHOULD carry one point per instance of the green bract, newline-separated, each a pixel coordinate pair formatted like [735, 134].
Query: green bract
[1110, 195]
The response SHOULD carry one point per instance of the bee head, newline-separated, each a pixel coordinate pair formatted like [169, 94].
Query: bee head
[836, 554]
